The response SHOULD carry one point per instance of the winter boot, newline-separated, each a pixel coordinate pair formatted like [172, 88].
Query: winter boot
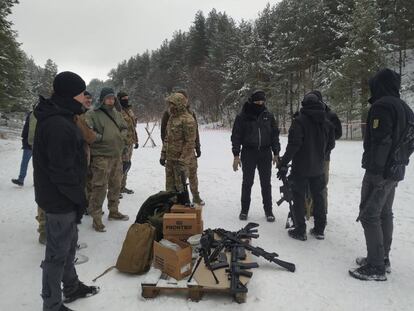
[270, 217]
[318, 235]
[17, 182]
[198, 200]
[98, 225]
[121, 196]
[362, 261]
[64, 308]
[243, 216]
[127, 191]
[369, 273]
[117, 216]
[83, 291]
[297, 235]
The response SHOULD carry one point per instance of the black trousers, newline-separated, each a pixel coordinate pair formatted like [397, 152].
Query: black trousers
[262, 160]
[317, 186]
[377, 198]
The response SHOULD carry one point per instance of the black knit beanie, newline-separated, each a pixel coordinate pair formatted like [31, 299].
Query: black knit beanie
[258, 95]
[68, 84]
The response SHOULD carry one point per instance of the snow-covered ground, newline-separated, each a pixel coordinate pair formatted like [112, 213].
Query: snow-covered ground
[320, 283]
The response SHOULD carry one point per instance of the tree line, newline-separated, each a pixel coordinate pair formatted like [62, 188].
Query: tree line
[289, 49]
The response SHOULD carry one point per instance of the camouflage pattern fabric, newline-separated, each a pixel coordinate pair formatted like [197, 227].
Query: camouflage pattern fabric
[179, 144]
[106, 180]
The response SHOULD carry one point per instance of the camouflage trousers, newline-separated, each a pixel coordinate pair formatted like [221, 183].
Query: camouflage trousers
[173, 173]
[193, 178]
[106, 181]
[309, 199]
[126, 164]
[41, 219]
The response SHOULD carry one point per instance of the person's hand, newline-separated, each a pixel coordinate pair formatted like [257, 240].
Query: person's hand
[236, 163]
[276, 160]
[162, 161]
[198, 152]
[283, 170]
[136, 146]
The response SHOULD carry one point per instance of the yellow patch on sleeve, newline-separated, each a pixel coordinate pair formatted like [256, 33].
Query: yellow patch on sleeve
[375, 124]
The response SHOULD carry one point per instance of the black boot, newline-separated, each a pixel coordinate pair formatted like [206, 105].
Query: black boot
[297, 235]
[369, 273]
[83, 291]
[17, 182]
[64, 308]
[243, 216]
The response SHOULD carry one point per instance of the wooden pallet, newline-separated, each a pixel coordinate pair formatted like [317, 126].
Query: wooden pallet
[194, 292]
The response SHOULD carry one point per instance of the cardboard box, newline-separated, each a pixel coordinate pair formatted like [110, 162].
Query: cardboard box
[175, 263]
[198, 210]
[181, 224]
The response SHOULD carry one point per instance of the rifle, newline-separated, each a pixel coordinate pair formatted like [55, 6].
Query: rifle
[237, 269]
[287, 196]
[183, 197]
[256, 251]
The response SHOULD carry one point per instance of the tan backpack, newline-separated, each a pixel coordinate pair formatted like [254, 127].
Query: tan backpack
[136, 253]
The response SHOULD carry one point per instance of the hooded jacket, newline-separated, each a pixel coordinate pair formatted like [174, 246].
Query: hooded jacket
[179, 143]
[386, 121]
[110, 137]
[311, 138]
[255, 127]
[59, 160]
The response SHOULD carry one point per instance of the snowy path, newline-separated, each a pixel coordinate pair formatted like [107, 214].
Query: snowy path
[320, 283]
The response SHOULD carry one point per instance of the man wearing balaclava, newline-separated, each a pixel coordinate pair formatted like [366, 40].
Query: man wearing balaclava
[131, 140]
[59, 164]
[311, 138]
[255, 136]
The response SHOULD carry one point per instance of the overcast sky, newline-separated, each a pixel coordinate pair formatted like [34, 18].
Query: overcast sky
[91, 37]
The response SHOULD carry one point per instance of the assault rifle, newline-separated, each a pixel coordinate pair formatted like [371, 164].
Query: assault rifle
[183, 197]
[256, 251]
[287, 196]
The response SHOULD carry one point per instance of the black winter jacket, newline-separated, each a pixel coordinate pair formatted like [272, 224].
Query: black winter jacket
[25, 133]
[333, 117]
[311, 138]
[386, 121]
[59, 159]
[255, 131]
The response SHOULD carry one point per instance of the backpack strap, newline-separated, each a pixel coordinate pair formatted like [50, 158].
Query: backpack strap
[110, 117]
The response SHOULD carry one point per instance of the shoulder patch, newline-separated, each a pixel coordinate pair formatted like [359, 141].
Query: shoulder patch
[375, 123]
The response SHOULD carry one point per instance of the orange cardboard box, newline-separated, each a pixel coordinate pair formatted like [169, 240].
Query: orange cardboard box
[198, 210]
[175, 263]
[180, 224]
[184, 237]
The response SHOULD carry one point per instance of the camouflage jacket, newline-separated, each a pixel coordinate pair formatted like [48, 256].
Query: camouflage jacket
[181, 133]
[131, 121]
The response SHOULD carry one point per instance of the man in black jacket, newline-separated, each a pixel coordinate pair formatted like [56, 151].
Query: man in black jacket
[27, 149]
[333, 118]
[59, 164]
[311, 138]
[387, 120]
[256, 130]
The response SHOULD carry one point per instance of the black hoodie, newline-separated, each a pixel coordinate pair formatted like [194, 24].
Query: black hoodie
[311, 138]
[59, 159]
[386, 121]
[255, 127]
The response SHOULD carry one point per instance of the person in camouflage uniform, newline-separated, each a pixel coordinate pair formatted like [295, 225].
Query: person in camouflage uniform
[178, 148]
[106, 152]
[132, 138]
[193, 166]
